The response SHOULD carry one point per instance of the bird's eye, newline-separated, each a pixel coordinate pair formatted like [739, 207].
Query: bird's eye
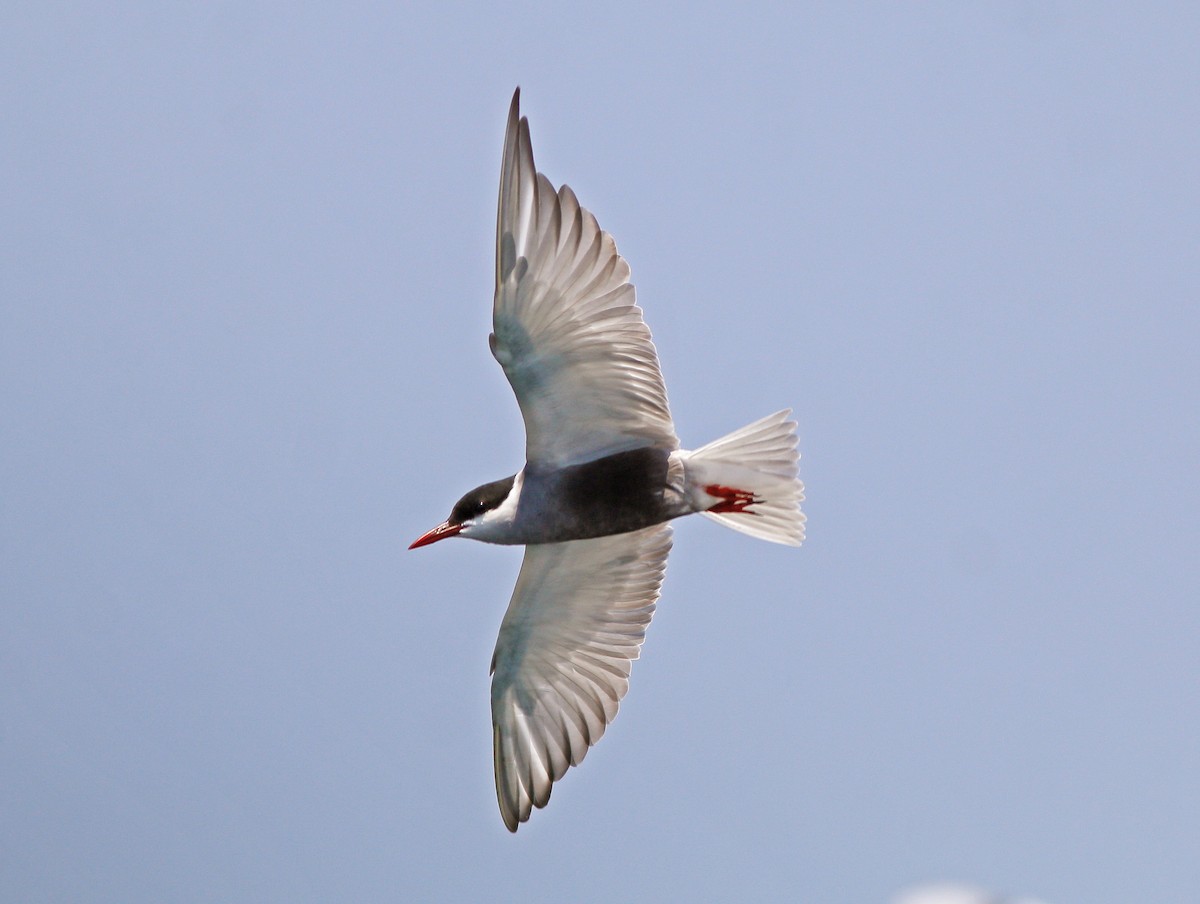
[467, 508]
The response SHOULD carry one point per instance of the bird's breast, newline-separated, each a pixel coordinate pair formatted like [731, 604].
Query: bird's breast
[610, 495]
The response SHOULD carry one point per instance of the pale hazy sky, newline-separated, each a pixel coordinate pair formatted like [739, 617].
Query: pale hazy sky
[245, 264]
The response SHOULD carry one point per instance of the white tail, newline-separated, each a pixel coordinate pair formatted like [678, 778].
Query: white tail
[747, 480]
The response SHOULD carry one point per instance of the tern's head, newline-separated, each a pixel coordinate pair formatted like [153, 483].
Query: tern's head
[478, 514]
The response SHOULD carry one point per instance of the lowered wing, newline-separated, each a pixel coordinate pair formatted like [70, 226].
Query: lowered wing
[575, 624]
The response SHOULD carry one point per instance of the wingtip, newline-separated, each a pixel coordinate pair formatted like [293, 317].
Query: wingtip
[514, 113]
[504, 783]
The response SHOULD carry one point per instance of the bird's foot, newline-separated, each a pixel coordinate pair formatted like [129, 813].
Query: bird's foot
[732, 501]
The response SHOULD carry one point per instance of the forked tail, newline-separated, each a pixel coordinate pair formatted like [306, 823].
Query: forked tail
[747, 480]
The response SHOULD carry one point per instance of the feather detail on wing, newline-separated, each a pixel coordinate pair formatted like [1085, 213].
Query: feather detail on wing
[566, 326]
[575, 624]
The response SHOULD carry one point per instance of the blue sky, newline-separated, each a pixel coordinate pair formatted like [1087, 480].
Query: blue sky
[245, 282]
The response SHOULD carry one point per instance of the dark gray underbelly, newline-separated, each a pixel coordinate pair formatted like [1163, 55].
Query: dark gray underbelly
[611, 495]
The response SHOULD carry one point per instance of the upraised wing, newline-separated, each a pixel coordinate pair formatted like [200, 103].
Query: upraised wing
[575, 624]
[566, 326]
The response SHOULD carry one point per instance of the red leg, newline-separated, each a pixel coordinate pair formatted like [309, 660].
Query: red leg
[732, 501]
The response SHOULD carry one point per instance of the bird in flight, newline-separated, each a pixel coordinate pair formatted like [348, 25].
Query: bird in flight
[603, 476]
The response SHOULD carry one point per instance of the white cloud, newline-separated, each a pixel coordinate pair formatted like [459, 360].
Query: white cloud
[953, 893]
